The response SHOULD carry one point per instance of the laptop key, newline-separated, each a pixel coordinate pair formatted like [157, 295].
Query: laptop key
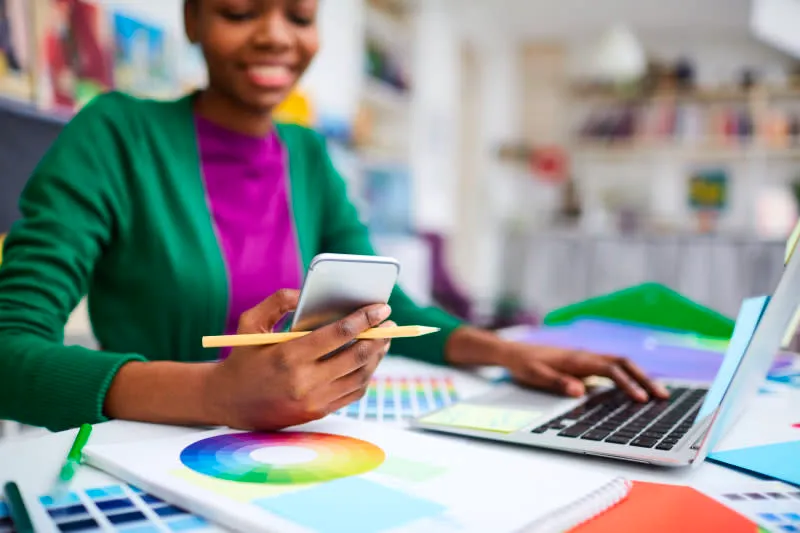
[540, 429]
[665, 446]
[618, 439]
[575, 431]
[644, 442]
[595, 434]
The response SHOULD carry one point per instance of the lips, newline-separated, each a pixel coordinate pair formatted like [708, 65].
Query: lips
[270, 76]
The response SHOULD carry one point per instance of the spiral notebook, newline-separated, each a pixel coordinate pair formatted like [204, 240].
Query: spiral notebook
[338, 475]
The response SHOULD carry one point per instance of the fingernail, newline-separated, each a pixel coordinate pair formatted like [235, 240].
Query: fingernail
[662, 390]
[574, 389]
[641, 394]
[383, 312]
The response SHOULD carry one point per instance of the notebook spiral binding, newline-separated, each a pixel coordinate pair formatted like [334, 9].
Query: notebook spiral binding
[565, 518]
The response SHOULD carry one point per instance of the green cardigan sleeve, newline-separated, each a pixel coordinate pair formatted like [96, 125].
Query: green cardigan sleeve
[343, 232]
[49, 255]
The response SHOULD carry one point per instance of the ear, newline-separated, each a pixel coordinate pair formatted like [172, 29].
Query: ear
[190, 21]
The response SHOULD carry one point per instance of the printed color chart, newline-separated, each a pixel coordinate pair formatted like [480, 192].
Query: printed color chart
[281, 458]
[393, 399]
[773, 506]
[114, 508]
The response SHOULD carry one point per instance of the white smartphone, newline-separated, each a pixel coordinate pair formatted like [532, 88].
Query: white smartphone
[339, 284]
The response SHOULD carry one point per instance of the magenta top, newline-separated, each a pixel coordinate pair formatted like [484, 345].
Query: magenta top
[247, 184]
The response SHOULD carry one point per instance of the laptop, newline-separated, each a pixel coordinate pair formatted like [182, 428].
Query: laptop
[677, 432]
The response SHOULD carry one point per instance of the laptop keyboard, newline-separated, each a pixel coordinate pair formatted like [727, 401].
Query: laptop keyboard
[614, 418]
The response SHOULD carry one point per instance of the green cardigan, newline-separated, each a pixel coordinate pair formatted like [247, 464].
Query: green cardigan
[116, 210]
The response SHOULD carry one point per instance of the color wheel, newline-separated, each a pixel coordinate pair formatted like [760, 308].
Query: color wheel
[245, 457]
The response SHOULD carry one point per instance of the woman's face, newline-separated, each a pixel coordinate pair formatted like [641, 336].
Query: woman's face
[256, 50]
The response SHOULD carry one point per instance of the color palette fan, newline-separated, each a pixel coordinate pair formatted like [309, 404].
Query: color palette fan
[393, 399]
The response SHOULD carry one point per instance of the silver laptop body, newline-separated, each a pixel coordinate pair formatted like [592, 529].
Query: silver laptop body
[743, 370]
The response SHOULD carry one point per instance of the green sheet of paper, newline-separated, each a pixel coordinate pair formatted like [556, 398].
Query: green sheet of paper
[483, 417]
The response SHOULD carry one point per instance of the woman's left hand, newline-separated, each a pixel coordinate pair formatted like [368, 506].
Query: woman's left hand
[562, 371]
[549, 368]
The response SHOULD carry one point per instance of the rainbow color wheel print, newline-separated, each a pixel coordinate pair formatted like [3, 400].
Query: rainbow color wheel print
[282, 457]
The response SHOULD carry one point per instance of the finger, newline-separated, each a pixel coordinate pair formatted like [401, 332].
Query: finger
[263, 317]
[656, 389]
[333, 336]
[625, 381]
[544, 377]
[361, 354]
[346, 400]
[589, 364]
[356, 381]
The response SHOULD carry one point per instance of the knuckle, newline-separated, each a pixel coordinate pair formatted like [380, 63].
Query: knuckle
[345, 328]
[362, 353]
[284, 299]
[298, 388]
[573, 357]
[283, 361]
[247, 321]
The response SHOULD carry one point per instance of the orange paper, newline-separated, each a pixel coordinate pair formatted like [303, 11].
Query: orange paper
[657, 508]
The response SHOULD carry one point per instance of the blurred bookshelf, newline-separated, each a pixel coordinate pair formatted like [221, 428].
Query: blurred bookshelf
[725, 123]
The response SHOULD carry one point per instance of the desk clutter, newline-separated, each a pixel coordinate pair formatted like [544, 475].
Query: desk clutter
[360, 471]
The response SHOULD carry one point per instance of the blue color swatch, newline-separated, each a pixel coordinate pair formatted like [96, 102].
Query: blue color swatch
[123, 508]
[777, 461]
[350, 505]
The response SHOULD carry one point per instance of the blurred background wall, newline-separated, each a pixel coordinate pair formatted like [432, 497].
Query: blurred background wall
[514, 154]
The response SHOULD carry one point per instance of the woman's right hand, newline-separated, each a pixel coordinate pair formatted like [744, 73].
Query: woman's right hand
[271, 387]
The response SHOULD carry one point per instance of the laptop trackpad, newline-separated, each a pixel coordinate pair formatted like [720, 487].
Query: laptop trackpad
[515, 397]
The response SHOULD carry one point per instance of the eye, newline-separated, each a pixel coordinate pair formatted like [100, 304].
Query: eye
[238, 16]
[301, 20]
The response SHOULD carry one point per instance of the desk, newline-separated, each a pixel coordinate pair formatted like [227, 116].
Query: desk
[35, 460]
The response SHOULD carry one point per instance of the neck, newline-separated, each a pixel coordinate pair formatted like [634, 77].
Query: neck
[220, 109]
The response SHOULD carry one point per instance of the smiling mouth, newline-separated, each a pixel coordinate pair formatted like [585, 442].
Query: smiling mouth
[270, 76]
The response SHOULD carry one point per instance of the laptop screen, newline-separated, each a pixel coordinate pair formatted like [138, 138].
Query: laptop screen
[753, 347]
[750, 314]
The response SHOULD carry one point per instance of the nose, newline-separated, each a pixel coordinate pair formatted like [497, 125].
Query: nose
[274, 30]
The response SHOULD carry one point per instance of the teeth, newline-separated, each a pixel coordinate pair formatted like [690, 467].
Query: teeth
[270, 71]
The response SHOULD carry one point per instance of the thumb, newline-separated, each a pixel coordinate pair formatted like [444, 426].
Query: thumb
[263, 317]
[542, 376]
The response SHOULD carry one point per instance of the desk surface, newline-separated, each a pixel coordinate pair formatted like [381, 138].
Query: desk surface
[34, 461]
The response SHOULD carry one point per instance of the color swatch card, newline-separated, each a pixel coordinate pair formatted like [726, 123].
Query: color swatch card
[772, 505]
[113, 508]
[343, 476]
[395, 399]
[779, 460]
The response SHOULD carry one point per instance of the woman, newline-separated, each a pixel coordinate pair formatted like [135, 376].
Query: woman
[197, 217]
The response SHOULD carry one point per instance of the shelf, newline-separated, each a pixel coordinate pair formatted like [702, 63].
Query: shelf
[631, 150]
[707, 96]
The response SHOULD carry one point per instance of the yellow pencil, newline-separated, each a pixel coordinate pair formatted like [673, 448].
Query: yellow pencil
[258, 339]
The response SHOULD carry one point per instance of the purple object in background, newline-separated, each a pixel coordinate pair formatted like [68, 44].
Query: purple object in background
[661, 354]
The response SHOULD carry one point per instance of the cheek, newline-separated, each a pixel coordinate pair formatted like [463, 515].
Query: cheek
[309, 46]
